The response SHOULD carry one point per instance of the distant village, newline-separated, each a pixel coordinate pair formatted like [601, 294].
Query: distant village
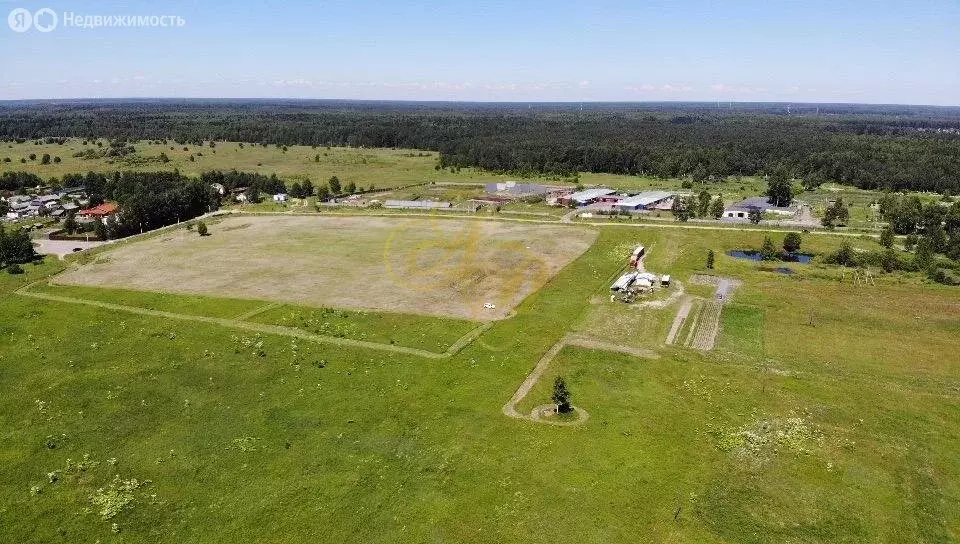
[74, 202]
[68, 202]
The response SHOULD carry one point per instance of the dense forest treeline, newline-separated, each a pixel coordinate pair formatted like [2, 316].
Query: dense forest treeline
[873, 147]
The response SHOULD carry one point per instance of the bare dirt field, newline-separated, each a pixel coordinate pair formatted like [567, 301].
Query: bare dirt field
[440, 267]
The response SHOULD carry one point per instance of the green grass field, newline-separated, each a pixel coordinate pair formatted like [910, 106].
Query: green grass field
[382, 168]
[122, 427]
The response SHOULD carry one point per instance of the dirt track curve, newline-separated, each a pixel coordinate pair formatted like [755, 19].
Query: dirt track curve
[510, 408]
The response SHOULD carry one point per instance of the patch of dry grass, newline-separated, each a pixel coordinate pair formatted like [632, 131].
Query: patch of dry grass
[437, 267]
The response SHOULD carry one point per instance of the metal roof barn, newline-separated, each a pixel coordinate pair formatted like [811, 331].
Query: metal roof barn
[644, 200]
[589, 195]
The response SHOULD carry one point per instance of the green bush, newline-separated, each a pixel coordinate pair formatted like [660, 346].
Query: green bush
[946, 276]
[768, 252]
[15, 269]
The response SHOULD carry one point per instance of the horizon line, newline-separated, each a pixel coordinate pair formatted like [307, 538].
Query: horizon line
[415, 101]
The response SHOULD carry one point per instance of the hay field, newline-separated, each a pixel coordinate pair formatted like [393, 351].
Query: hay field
[439, 267]
[383, 167]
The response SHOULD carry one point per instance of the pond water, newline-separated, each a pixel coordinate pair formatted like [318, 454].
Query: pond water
[751, 255]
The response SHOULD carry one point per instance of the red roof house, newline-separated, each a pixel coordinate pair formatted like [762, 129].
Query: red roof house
[103, 210]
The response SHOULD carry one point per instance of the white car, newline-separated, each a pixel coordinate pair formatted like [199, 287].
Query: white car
[489, 306]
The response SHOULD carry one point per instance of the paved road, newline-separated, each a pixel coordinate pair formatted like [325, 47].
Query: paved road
[665, 224]
[589, 208]
[62, 247]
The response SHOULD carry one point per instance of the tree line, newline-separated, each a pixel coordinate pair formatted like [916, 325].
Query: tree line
[145, 200]
[15, 249]
[933, 223]
[896, 148]
[931, 240]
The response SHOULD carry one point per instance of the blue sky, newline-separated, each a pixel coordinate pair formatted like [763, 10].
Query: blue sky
[774, 50]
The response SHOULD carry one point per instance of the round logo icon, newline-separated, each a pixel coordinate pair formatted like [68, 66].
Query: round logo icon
[45, 19]
[20, 20]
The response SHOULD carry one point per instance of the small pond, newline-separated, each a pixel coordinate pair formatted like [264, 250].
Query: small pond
[751, 255]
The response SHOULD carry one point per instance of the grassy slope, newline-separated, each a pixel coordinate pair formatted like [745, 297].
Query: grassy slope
[379, 447]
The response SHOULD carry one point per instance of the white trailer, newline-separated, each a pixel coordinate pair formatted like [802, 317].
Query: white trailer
[650, 277]
[624, 281]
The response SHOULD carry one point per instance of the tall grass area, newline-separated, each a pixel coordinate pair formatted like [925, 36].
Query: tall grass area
[430, 333]
[122, 427]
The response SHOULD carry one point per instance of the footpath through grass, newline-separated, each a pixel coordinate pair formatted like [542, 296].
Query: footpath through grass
[430, 333]
[183, 304]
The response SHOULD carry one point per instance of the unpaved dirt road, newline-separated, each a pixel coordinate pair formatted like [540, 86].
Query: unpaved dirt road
[510, 408]
[678, 321]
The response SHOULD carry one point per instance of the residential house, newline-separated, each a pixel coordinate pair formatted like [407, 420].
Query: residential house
[102, 211]
[742, 209]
